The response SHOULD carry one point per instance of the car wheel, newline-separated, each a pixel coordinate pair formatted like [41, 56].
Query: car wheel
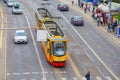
[82, 24]
[26, 42]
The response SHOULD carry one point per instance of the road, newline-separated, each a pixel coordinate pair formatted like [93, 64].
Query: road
[89, 48]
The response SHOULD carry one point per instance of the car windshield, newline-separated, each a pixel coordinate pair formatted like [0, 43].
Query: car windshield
[20, 34]
[77, 18]
[16, 6]
[59, 48]
[10, 0]
[63, 4]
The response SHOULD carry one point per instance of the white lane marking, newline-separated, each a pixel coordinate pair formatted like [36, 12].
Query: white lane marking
[35, 72]
[92, 50]
[26, 73]
[43, 78]
[23, 79]
[108, 78]
[33, 79]
[50, 72]
[83, 78]
[62, 72]
[1, 34]
[40, 63]
[1, 12]
[8, 74]
[16, 73]
[98, 78]
[74, 78]
[63, 78]
[45, 72]
[6, 48]
[56, 72]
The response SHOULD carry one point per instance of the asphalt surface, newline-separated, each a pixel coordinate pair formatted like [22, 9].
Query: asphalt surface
[89, 48]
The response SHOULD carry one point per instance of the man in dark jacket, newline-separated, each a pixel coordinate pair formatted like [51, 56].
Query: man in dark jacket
[87, 75]
[114, 25]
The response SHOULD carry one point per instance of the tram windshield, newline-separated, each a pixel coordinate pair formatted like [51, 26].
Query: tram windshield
[59, 48]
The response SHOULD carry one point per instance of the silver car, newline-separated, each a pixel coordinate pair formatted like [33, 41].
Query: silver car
[17, 9]
[20, 37]
[10, 3]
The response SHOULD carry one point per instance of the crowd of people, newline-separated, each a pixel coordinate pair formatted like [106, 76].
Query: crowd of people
[102, 18]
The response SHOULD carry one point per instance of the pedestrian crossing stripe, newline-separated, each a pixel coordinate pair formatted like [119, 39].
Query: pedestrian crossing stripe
[63, 78]
[108, 78]
[83, 78]
[98, 78]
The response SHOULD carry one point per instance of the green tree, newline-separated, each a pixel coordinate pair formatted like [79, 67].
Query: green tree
[117, 1]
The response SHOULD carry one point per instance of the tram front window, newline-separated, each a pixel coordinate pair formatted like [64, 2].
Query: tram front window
[59, 48]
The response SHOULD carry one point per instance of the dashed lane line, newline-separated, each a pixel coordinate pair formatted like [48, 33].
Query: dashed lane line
[16, 74]
[35, 73]
[37, 53]
[98, 78]
[26, 73]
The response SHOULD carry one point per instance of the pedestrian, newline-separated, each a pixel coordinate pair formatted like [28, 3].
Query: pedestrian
[109, 26]
[98, 21]
[88, 7]
[85, 9]
[82, 4]
[114, 26]
[79, 4]
[101, 20]
[87, 76]
[72, 2]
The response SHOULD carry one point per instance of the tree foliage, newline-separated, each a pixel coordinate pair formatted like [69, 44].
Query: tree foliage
[117, 1]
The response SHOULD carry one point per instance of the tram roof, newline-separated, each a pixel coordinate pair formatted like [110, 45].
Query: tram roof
[48, 11]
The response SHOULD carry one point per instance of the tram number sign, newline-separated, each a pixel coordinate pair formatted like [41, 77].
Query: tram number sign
[41, 35]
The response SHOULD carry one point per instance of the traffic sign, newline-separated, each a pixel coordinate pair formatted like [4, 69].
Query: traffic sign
[118, 32]
[41, 35]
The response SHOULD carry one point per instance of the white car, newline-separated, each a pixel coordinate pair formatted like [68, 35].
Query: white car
[20, 37]
[17, 9]
[10, 3]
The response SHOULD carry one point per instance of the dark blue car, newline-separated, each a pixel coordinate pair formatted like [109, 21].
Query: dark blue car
[77, 21]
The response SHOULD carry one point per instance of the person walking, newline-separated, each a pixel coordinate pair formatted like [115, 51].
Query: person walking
[87, 76]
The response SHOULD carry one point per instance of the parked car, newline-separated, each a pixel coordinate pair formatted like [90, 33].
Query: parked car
[5, 1]
[20, 36]
[77, 21]
[63, 7]
[16, 9]
[10, 3]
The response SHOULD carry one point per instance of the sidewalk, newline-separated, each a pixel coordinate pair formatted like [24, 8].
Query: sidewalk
[112, 35]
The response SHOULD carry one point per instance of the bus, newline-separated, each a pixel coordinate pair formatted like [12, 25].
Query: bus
[55, 48]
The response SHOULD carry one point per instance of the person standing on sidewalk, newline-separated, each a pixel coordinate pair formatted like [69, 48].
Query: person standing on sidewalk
[114, 25]
[109, 26]
[72, 2]
[87, 76]
[79, 3]
[82, 4]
